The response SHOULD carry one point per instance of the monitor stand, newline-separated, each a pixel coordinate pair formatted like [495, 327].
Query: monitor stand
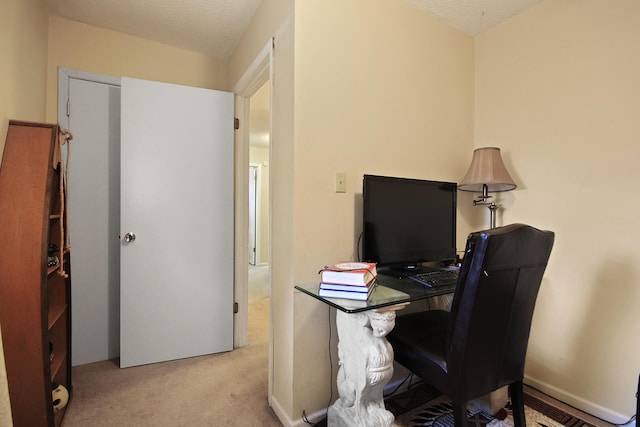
[401, 271]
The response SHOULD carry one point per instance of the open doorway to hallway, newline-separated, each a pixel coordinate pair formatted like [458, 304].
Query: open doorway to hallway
[258, 242]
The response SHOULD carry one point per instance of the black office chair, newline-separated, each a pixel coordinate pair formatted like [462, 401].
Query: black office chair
[480, 345]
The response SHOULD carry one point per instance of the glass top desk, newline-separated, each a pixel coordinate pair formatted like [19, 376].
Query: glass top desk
[365, 355]
[389, 291]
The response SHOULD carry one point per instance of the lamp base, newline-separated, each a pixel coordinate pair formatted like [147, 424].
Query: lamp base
[492, 214]
[481, 201]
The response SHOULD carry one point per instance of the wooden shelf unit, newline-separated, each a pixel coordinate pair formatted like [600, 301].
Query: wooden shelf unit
[35, 300]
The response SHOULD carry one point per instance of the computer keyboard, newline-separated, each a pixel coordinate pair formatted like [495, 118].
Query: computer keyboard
[436, 278]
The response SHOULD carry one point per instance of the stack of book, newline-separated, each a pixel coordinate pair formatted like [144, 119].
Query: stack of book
[349, 280]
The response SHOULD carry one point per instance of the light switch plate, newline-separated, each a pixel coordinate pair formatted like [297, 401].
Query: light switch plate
[341, 182]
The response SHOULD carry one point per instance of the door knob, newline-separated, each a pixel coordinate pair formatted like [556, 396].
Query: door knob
[129, 237]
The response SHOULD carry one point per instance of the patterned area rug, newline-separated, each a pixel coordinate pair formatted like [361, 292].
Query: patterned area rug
[437, 412]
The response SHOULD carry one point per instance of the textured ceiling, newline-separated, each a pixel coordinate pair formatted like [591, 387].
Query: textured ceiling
[214, 27]
[475, 16]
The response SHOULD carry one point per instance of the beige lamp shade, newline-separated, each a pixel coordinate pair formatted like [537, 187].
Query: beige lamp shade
[487, 169]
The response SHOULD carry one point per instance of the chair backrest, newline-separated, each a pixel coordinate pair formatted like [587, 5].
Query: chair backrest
[493, 307]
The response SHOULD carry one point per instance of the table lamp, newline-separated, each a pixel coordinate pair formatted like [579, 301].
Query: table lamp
[487, 173]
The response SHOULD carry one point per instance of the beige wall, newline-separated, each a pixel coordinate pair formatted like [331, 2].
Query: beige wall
[282, 232]
[269, 21]
[88, 48]
[23, 43]
[558, 89]
[388, 90]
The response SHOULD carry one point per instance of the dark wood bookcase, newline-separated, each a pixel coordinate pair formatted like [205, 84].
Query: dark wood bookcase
[35, 298]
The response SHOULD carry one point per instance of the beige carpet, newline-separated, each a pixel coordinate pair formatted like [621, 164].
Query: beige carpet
[228, 389]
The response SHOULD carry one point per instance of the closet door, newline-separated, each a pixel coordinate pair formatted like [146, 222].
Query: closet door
[94, 206]
[176, 257]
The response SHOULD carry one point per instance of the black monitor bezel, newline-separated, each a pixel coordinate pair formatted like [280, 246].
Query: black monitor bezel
[442, 256]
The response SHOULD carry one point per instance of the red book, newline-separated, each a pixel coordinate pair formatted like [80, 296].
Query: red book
[349, 273]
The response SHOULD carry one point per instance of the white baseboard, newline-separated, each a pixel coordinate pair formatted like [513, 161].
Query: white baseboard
[577, 402]
[288, 422]
[312, 418]
[561, 395]
[280, 413]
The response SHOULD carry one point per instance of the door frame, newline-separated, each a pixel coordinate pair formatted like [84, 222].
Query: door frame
[257, 74]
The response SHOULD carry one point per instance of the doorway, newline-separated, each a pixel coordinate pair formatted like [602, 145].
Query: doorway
[259, 75]
[253, 193]
[259, 140]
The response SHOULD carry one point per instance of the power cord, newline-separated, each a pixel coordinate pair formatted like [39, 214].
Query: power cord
[358, 246]
[409, 378]
[330, 360]
[306, 420]
[304, 414]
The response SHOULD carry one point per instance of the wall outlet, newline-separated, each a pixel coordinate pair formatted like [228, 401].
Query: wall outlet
[341, 182]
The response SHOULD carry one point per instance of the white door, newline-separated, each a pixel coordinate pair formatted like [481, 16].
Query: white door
[253, 183]
[177, 199]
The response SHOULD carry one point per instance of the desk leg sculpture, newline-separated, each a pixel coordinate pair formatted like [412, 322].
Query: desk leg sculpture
[365, 367]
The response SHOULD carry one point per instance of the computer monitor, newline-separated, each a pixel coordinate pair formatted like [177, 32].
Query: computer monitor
[408, 222]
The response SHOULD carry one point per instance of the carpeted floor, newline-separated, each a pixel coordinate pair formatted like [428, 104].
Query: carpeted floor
[227, 389]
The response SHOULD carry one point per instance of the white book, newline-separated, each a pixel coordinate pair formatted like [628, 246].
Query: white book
[362, 296]
[346, 288]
